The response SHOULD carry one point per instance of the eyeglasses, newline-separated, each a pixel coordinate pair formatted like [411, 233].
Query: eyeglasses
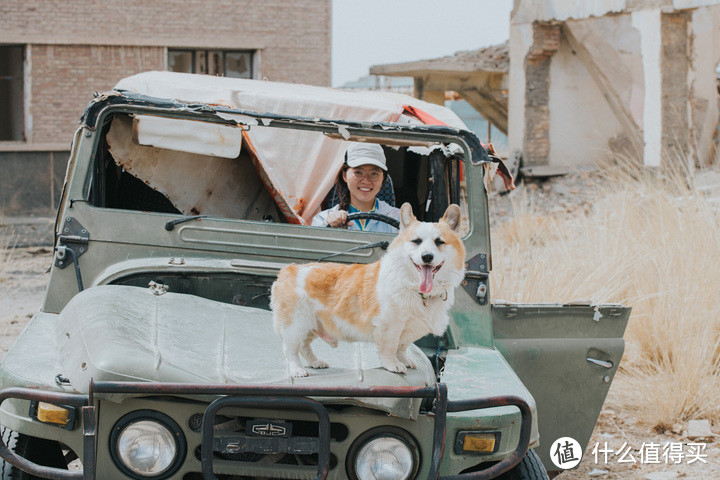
[373, 175]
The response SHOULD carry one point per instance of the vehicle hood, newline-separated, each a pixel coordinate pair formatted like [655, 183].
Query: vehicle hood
[123, 333]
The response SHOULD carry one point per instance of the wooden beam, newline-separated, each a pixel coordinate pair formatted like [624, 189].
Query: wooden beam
[494, 111]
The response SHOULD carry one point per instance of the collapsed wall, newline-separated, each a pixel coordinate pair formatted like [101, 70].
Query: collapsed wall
[628, 78]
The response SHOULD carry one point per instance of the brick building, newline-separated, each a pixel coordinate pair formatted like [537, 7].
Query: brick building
[54, 54]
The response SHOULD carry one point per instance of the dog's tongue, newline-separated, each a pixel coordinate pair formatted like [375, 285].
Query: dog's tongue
[426, 279]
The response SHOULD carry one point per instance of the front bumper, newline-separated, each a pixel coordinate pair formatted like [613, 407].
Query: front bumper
[295, 397]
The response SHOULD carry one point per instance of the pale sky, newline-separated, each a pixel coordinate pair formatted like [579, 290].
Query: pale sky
[373, 32]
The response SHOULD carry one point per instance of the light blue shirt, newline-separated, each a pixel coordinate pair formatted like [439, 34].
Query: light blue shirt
[320, 220]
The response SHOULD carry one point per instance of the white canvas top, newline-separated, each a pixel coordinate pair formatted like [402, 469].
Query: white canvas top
[297, 183]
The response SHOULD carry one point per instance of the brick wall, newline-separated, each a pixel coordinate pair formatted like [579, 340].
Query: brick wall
[64, 78]
[674, 64]
[83, 46]
[536, 143]
[304, 24]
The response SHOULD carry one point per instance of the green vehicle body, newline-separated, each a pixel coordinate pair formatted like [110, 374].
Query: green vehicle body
[560, 359]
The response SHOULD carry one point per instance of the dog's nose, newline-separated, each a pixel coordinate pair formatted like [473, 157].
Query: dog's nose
[427, 257]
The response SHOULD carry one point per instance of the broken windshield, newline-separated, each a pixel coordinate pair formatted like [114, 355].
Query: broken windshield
[278, 175]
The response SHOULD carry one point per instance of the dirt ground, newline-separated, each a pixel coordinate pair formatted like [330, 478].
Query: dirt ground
[22, 289]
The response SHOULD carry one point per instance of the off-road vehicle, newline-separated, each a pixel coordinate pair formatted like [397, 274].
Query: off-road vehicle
[154, 355]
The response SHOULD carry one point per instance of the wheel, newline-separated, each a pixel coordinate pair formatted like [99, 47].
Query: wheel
[373, 216]
[529, 468]
[38, 450]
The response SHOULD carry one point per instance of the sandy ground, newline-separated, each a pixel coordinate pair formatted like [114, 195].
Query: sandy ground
[616, 430]
[22, 288]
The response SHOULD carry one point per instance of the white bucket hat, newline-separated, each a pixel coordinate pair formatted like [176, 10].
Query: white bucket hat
[366, 154]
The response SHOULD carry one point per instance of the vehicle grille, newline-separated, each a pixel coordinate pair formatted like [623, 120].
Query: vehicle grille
[229, 425]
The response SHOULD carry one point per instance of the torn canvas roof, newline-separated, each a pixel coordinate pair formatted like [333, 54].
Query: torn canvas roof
[298, 167]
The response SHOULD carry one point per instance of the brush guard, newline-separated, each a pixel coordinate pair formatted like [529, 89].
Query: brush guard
[267, 396]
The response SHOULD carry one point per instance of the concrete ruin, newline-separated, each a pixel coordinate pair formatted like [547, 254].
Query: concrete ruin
[478, 76]
[632, 78]
[587, 81]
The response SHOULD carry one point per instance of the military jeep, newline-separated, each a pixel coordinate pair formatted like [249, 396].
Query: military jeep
[154, 355]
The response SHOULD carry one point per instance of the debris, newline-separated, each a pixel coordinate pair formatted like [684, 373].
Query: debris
[561, 189]
[708, 182]
[344, 132]
[699, 429]
[661, 476]
[597, 472]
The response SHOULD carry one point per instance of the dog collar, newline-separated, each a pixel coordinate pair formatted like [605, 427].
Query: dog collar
[426, 298]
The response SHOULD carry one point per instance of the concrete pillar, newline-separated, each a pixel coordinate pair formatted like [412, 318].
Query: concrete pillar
[647, 22]
[432, 96]
[435, 96]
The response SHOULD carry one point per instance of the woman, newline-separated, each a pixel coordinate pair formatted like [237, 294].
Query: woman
[358, 184]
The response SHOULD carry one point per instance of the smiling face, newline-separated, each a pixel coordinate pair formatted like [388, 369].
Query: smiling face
[427, 253]
[364, 183]
[434, 249]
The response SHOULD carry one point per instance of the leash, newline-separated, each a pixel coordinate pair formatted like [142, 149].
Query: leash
[383, 244]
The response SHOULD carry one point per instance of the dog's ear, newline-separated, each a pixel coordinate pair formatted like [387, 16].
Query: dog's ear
[452, 217]
[406, 215]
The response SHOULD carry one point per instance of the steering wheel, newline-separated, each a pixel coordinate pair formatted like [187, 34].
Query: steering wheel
[373, 216]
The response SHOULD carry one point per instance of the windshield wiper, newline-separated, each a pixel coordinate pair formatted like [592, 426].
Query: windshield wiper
[171, 224]
[383, 244]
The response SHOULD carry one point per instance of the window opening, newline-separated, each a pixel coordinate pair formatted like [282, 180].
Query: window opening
[11, 93]
[228, 63]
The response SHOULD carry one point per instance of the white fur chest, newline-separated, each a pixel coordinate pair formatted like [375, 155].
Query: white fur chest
[402, 302]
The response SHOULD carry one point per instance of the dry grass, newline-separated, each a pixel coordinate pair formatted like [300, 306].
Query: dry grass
[651, 243]
[7, 255]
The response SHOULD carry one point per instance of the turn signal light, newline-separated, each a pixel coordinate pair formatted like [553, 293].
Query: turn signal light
[479, 443]
[49, 413]
[476, 442]
[63, 416]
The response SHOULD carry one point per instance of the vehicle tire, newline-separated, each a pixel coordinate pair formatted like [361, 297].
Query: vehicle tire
[529, 468]
[38, 450]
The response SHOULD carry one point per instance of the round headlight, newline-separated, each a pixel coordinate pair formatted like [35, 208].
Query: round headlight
[147, 444]
[384, 454]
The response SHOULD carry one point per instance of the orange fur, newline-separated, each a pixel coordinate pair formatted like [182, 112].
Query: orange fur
[346, 302]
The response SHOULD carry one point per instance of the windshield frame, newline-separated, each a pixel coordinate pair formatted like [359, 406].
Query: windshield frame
[104, 107]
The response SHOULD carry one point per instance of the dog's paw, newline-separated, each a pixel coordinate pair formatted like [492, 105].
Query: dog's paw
[410, 364]
[406, 361]
[297, 372]
[319, 364]
[396, 367]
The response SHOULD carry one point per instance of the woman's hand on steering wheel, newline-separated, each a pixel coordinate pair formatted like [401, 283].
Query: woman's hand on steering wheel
[341, 218]
[337, 219]
[373, 216]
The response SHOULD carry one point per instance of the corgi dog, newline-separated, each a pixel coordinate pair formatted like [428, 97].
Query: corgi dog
[393, 302]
